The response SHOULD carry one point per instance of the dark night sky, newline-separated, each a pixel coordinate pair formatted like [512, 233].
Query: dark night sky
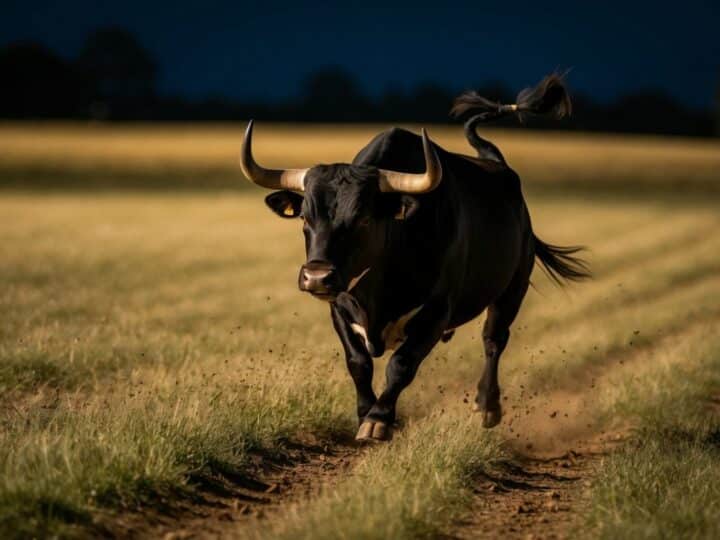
[265, 49]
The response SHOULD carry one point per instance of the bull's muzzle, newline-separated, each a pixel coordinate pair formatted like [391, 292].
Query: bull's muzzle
[319, 279]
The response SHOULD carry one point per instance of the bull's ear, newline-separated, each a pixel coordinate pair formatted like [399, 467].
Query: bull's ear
[286, 204]
[408, 206]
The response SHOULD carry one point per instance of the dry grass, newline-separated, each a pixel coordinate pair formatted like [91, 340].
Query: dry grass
[666, 482]
[148, 339]
[198, 157]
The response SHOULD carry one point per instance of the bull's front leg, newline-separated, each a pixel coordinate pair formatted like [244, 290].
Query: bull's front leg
[423, 332]
[357, 358]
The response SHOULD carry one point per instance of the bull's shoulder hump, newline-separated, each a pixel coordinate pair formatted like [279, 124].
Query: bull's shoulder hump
[393, 140]
[396, 136]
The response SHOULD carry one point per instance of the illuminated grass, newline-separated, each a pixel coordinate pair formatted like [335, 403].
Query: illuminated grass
[666, 482]
[193, 289]
[148, 339]
[65, 155]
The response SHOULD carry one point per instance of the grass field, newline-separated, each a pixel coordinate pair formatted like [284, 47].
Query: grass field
[196, 157]
[153, 340]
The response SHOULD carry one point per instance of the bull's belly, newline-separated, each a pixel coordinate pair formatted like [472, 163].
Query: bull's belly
[469, 301]
[484, 281]
[392, 334]
[466, 311]
[475, 297]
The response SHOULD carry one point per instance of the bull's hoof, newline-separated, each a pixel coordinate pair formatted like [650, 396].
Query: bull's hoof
[491, 417]
[374, 430]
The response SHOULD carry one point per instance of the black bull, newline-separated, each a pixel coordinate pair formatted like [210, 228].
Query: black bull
[403, 271]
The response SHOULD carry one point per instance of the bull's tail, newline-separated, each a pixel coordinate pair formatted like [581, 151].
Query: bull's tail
[560, 263]
[549, 97]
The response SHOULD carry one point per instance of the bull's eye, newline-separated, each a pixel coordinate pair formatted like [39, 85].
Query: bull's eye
[364, 222]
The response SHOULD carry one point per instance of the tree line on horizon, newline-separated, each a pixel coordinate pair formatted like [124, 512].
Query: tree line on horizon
[114, 78]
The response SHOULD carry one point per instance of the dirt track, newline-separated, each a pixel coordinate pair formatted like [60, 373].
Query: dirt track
[553, 438]
[299, 474]
[539, 493]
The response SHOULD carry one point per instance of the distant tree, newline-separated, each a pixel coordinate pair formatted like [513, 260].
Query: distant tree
[332, 94]
[38, 84]
[650, 111]
[120, 67]
[717, 111]
[429, 102]
[393, 105]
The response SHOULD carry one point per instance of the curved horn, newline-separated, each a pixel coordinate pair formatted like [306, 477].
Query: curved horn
[415, 183]
[293, 179]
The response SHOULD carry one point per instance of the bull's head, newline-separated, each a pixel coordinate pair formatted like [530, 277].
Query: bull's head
[346, 210]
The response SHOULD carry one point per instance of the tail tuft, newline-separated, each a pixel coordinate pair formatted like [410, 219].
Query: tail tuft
[549, 97]
[471, 101]
[560, 263]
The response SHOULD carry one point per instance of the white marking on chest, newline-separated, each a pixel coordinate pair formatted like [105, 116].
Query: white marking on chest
[360, 331]
[394, 332]
[354, 281]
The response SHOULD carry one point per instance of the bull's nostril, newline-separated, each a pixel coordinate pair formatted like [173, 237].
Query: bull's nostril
[316, 275]
[317, 278]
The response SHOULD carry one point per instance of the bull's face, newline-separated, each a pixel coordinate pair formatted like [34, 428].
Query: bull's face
[345, 217]
[346, 210]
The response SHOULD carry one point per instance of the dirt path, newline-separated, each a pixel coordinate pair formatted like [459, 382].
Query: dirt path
[541, 491]
[529, 498]
[556, 442]
[553, 437]
[273, 482]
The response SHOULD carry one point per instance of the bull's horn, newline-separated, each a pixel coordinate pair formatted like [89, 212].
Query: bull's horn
[415, 183]
[293, 179]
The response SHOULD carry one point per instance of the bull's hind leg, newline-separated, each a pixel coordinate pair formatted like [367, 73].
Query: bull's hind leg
[496, 333]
